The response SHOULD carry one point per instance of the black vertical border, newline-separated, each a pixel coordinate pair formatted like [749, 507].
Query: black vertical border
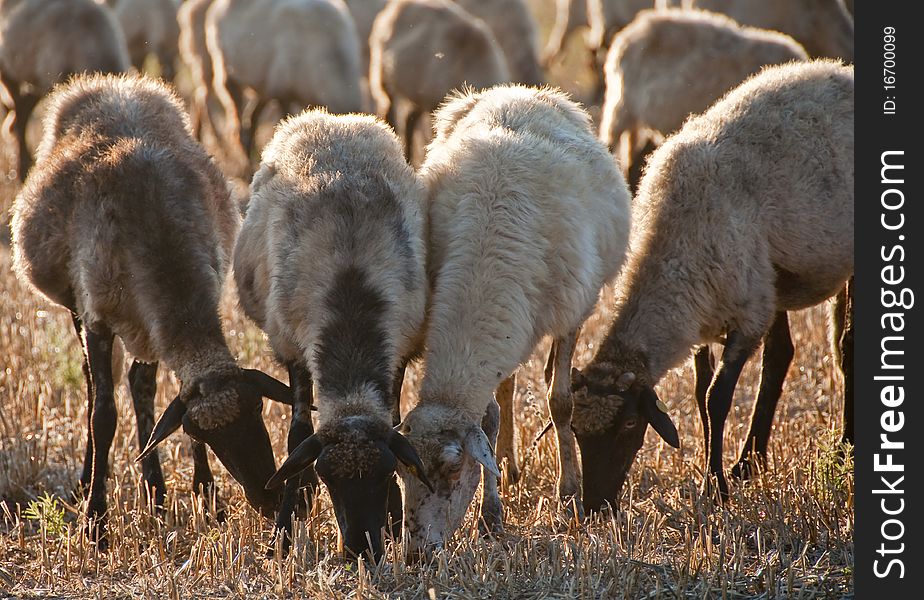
[877, 133]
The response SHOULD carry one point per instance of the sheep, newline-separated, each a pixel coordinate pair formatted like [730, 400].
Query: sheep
[569, 16]
[127, 223]
[515, 30]
[330, 263]
[823, 27]
[529, 217]
[297, 52]
[743, 215]
[150, 27]
[195, 54]
[423, 49]
[44, 41]
[695, 56]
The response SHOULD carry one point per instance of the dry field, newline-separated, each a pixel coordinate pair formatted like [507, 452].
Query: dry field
[788, 534]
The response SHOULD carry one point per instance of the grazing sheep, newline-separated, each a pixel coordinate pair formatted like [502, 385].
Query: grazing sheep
[195, 54]
[127, 223]
[423, 49]
[150, 27]
[823, 27]
[330, 263]
[42, 42]
[570, 15]
[743, 215]
[515, 30]
[607, 17]
[668, 64]
[298, 52]
[529, 217]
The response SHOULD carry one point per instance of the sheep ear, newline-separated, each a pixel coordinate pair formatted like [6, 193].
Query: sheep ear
[299, 459]
[169, 422]
[269, 387]
[404, 451]
[656, 414]
[478, 447]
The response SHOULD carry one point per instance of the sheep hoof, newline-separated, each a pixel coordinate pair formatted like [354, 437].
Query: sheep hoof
[492, 518]
[572, 510]
[511, 473]
[715, 486]
[747, 468]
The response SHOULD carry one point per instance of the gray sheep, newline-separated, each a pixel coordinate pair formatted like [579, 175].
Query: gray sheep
[669, 64]
[42, 42]
[744, 214]
[127, 223]
[330, 263]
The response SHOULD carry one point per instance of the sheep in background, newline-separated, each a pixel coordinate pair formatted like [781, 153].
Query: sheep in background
[42, 42]
[515, 30]
[823, 27]
[529, 217]
[126, 222]
[570, 15]
[668, 64]
[744, 214]
[297, 52]
[195, 54]
[423, 49]
[150, 27]
[330, 263]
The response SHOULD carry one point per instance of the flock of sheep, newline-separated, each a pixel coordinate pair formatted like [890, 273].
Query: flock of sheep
[354, 262]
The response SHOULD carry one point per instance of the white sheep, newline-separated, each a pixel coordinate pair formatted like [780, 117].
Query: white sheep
[823, 27]
[195, 54]
[423, 49]
[330, 263]
[529, 217]
[515, 30]
[42, 42]
[150, 27]
[298, 52]
[668, 64]
[744, 214]
[126, 222]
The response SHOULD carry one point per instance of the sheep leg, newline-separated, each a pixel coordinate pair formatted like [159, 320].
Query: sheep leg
[142, 380]
[300, 429]
[492, 510]
[557, 37]
[204, 481]
[738, 349]
[561, 406]
[23, 105]
[87, 474]
[395, 508]
[506, 441]
[410, 126]
[249, 132]
[99, 355]
[703, 372]
[775, 360]
[843, 344]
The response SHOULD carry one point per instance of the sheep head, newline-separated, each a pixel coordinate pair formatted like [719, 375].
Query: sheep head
[612, 412]
[223, 410]
[356, 458]
[453, 453]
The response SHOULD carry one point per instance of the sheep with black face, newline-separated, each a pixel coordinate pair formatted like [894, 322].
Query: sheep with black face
[744, 214]
[330, 263]
[126, 222]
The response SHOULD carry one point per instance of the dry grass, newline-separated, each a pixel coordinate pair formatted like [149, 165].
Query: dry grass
[787, 535]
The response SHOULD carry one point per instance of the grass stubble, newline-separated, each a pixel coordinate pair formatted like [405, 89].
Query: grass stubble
[786, 534]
